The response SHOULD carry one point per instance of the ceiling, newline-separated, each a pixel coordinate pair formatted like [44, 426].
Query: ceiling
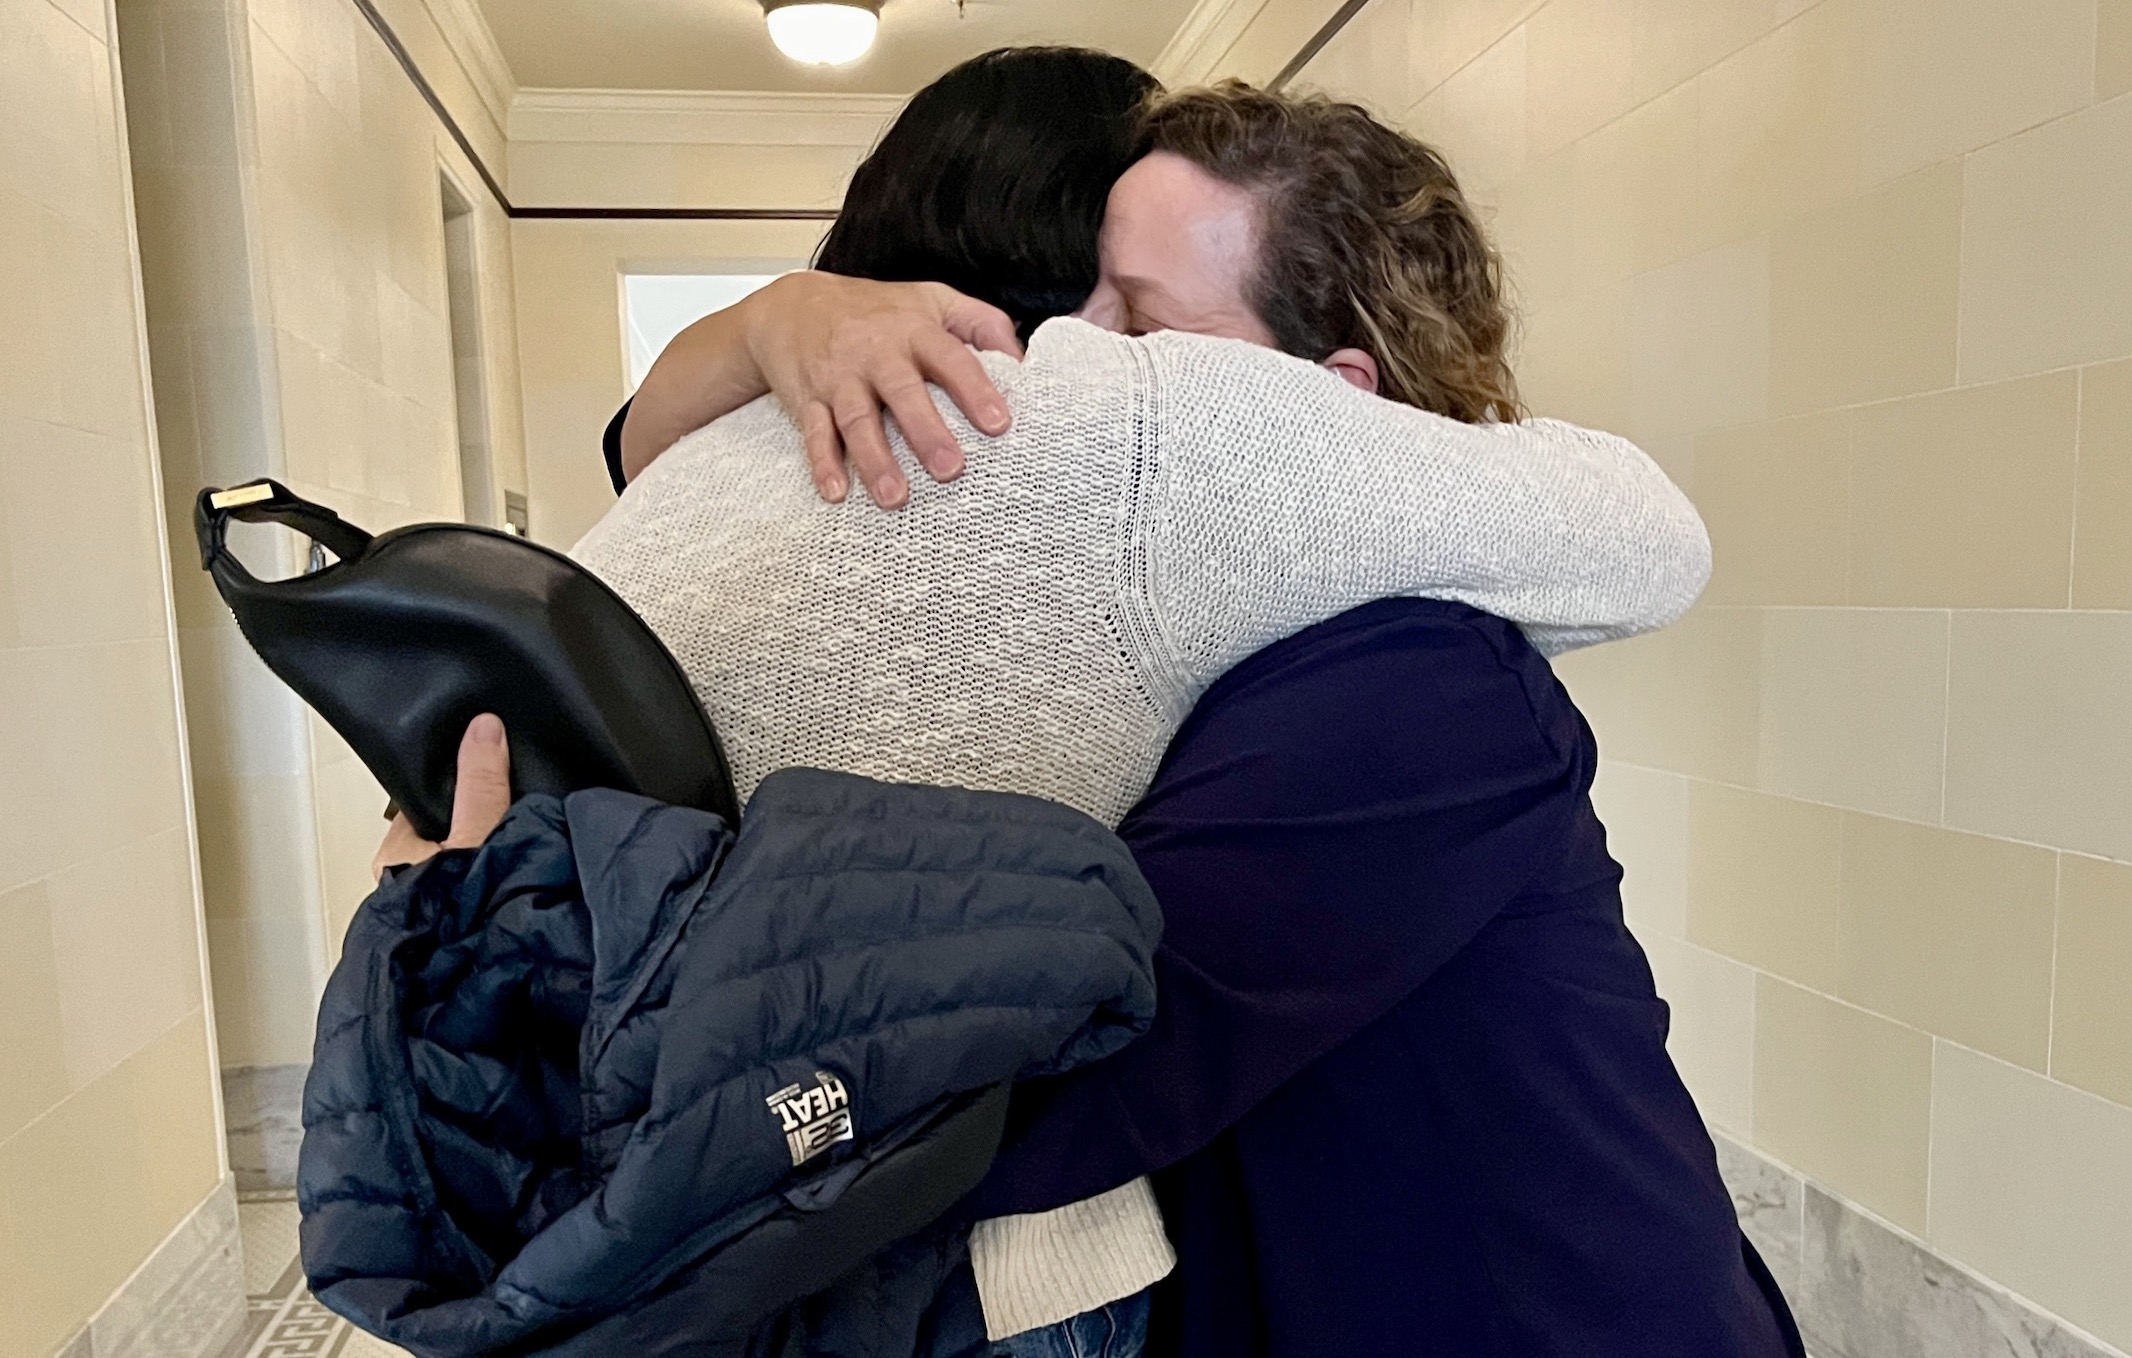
[724, 45]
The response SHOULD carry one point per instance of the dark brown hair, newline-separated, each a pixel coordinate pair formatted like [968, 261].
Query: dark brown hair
[993, 179]
[1366, 242]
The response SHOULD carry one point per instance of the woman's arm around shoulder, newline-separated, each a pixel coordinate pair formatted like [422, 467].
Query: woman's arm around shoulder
[1283, 496]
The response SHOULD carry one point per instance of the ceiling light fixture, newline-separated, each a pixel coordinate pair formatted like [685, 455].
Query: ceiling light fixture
[823, 32]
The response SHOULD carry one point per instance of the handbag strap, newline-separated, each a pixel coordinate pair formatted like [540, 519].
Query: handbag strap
[267, 501]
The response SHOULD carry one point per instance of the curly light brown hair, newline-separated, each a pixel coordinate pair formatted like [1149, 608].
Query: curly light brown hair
[1366, 242]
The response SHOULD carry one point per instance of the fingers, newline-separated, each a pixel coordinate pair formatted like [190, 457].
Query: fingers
[858, 420]
[948, 362]
[825, 452]
[911, 402]
[479, 801]
[402, 845]
[979, 324]
[483, 793]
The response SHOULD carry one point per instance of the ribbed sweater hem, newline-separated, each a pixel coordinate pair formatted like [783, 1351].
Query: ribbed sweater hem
[1045, 1267]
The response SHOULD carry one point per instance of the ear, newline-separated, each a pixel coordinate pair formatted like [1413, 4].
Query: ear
[1355, 367]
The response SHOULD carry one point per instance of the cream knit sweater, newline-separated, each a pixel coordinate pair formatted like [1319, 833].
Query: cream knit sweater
[1162, 508]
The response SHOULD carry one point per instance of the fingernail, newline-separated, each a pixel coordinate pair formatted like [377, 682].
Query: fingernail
[486, 729]
[995, 419]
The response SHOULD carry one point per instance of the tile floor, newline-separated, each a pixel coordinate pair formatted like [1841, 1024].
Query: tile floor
[282, 1319]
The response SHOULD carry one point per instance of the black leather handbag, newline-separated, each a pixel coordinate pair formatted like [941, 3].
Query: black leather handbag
[411, 634]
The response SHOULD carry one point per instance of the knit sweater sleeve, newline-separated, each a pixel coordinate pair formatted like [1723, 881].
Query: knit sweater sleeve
[1279, 496]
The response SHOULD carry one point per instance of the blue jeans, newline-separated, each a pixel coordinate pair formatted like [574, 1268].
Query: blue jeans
[956, 1329]
[1118, 1330]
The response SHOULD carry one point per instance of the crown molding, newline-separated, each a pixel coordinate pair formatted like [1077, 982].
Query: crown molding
[466, 31]
[739, 118]
[1203, 39]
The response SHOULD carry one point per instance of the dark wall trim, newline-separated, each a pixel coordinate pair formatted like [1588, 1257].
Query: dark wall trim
[1310, 49]
[679, 214]
[399, 51]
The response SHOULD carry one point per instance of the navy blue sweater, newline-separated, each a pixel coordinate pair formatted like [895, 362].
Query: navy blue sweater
[1407, 1089]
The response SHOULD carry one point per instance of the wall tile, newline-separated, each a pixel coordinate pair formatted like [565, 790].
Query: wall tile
[89, 738]
[1676, 39]
[1867, 1289]
[1478, 115]
[1780, 125]
[2046, 278]
[1950, 933]
[1838, 682]
[2091, 1017]
[1535, 230]
[88, 1190]
[1443, 38]
[268, 977]
[1770, 1202]
[1764, 877]
[245, 721]
[187, 1298]
[198, 99]
[2102, 529]
[1954, 75]
[72, 496]
[1712, 1038]
[29, 365]
[1636, 193]
[1572, 359]
[237, 401]
[33, 1068]
[2113, 48]
[1581, 55]
[2032, 1183]
[258, 855]
[1862, 296]
[1844, 1096]
[122, 927]
[1687, 699]
[1776, 498]
[1278, 33]
[86, 13]
[1699, 342]
[56, 134]
[95, 344]
[1646, 816]
[1965, 498]
[1369, 61]
[350, 827]
[2039, 735]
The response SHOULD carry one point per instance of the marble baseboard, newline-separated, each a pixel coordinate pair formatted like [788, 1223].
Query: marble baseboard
[186, 1301]
[262, 1106]
[1863, 1289]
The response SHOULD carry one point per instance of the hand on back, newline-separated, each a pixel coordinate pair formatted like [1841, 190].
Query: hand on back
[838, 353]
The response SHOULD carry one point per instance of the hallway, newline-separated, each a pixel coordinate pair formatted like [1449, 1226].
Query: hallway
[1857, 274]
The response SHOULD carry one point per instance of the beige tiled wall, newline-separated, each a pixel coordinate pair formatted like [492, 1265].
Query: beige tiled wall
[1859, 272]
[570, 345]
[293, 246]
[108, 1119]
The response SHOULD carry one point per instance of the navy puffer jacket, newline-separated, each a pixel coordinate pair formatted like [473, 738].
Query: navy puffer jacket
[580, 1091]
